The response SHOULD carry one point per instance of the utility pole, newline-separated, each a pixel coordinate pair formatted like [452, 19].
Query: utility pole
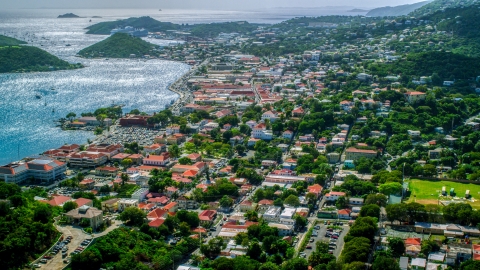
[403, 179]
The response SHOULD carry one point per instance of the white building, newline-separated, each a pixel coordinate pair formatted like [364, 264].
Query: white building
[124, 203]
[287, 213]
[283, 230]
[272, 214]
[140, 194]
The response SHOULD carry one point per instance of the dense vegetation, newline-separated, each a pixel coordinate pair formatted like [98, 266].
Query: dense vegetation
[119, 45]
[447, 65]
[8, 41]
[129, 249]
[439, 4]
[27, 59]
[148, 23]
[26, 228]
[213, 29]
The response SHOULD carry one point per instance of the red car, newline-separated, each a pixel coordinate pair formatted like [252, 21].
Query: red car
[334, 237]
[47, 257]
[309, 247]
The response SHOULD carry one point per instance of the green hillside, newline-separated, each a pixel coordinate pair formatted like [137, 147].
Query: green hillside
[441, 5]
[213, 29]
[447, 65]
[396, 10]
[8, 41]
[27, 59]
[148, 23]
[119, 45]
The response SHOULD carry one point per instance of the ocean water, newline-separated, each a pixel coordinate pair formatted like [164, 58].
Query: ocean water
[27, 124]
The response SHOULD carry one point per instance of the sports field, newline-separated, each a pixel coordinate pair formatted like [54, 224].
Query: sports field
[429, 192]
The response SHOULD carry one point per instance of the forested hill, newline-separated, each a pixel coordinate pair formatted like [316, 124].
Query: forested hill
[148, 23]
[396, 10]
[437, 5]
[119, 45]
[28, 59]
[446, 66]
[8, 41]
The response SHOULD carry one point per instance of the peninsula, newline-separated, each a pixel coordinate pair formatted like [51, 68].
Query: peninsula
[120, 45]
[15, 58]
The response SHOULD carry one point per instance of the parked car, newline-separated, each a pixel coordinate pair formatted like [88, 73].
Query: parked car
[309, 247]
[317, 227]
[36, 265]
[311, 239]
[43, 260]
[334, 236]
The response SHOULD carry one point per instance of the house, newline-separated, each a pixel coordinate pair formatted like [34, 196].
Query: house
[122, 204]
[87, 159]
[199, 167]
[106, 171]
[171, 190]
[349, 164]
[476, 252]
[353, 153]
[247, 205]
[414, 133]
[288, 213]
[283, 230]
[315, 189]
[355, 201]
[415, 96]
[418, 263]
[194, 157]
[158, 201]
[413, 246]
[260, 132]
[272, 214]
[185, 203]
[154, 149]
[344, 213]
[334, 195]
[155, 223]
[298, 112]
[458, 253]
[207, 217]
[153, 160]
[87, 183]
[435, 154]
[268, 163]
[270, 115]
[140, 194]
[58, 200]
[157, 213]
[82, 201]
[232, 228]
[110, 205]
[92, 214]
[264, 204]
[287, 134]
[171, 207]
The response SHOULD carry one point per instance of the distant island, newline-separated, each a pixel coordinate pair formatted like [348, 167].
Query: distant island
[68, 15]
[96, 17]
[16, 58]
[396, 10]
[120, 45]
[358, 10]
[152, 25]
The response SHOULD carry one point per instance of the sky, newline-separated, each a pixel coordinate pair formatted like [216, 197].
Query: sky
[198, 4]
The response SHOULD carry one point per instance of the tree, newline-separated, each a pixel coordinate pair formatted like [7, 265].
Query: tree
[341, 202]
[42, 213]
[292, 200]
[300, 221]
[226, 202]
[240, 148]
[319, 257]
[126, 163]
[190, 217]
[429, 246]
[185, 161]
[269, 266]
[89, 259]
[396, 212]
[378, 199]
[385, 263]
[174, 151]
[213, 248]
[397, 246]
[133, 216]
[69, 206]
[71, 115]
[251, 215]
[295, 264]
[470, 265]
[392, 188]
[370, 210]
[101, 118]
[356, 250]
[184, 229]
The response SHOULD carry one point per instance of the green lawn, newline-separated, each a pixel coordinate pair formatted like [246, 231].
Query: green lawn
[428, 192]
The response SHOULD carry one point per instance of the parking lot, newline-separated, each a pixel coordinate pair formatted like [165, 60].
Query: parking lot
[321, 237]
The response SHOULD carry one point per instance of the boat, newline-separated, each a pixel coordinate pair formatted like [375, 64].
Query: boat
[68, 45]
[38, 96]
[53, 110]
[159, 10]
